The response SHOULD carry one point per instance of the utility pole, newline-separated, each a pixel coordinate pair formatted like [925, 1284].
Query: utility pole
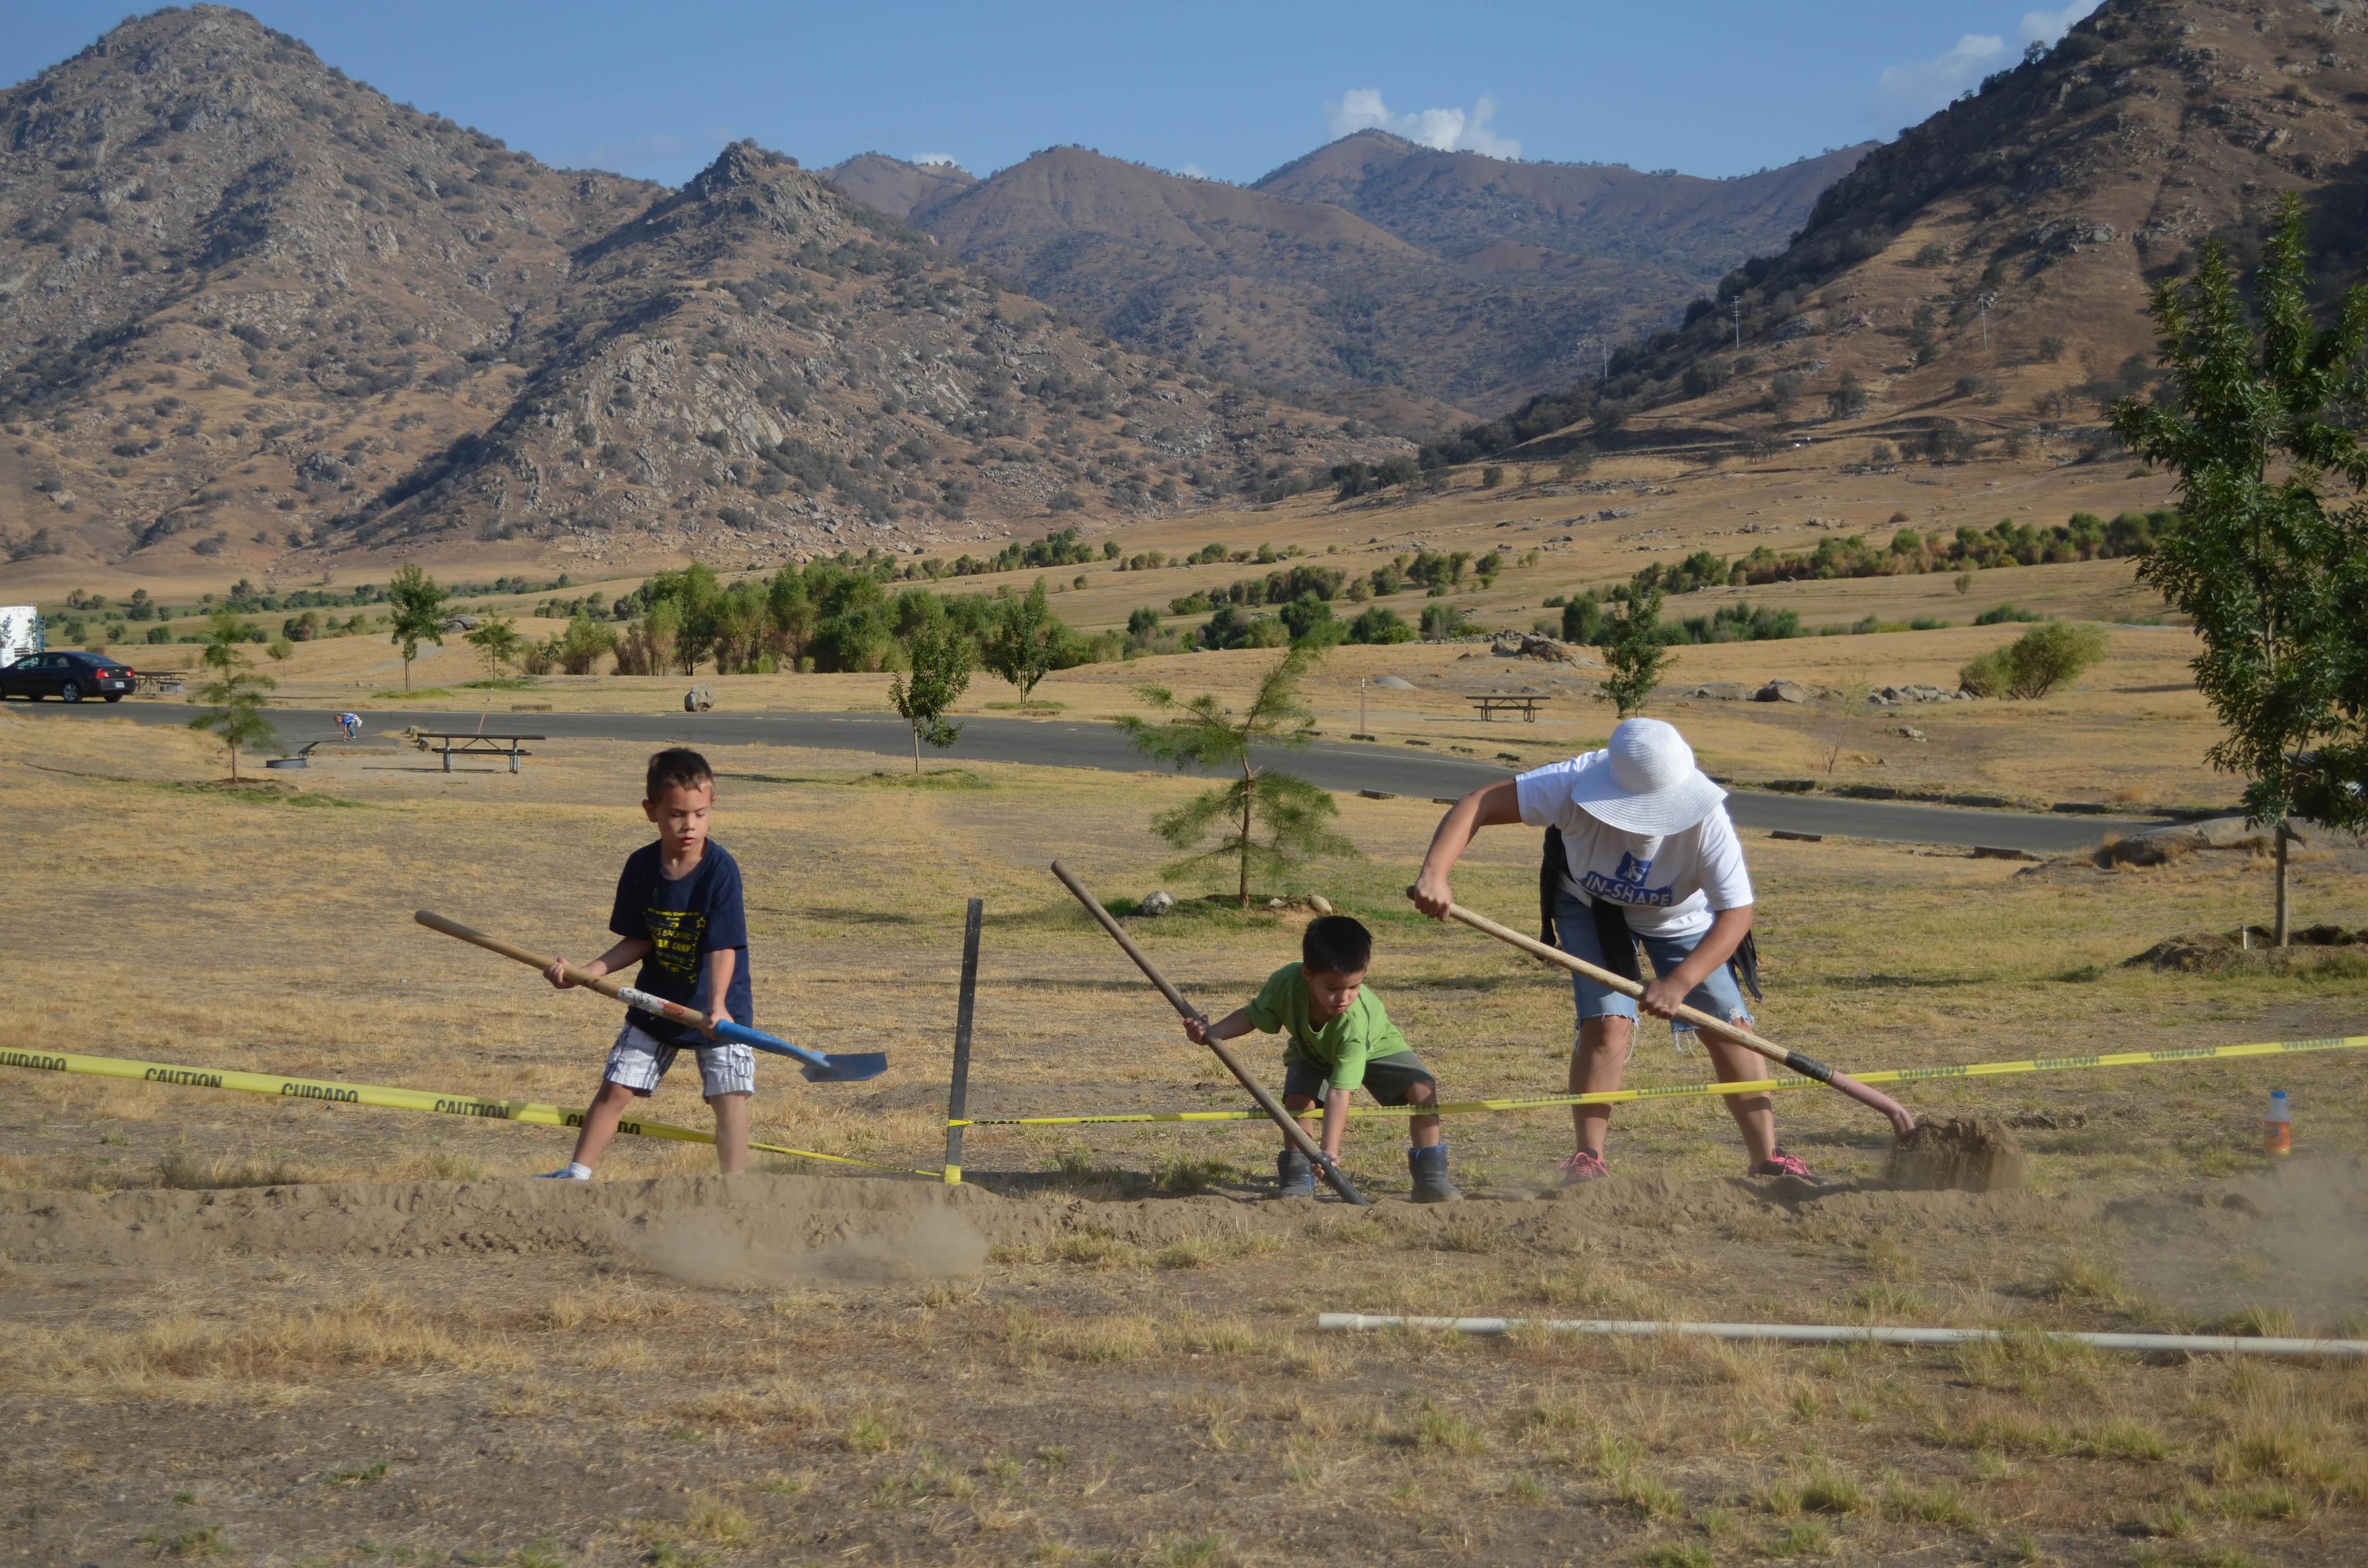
[1736, 304]
[1985, 301]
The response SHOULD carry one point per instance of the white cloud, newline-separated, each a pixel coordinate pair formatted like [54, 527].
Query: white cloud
[1193, 171]
[932, 160]
[1448, 130]
[1906, 94]
[2046, 27]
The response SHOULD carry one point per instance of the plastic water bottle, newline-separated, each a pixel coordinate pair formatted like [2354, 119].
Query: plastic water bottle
[2277, 1132]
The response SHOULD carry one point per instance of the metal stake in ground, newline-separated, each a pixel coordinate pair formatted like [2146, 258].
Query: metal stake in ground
[958, 1098]
[1265, 1102]
[1902, 1124]
[818, 1068]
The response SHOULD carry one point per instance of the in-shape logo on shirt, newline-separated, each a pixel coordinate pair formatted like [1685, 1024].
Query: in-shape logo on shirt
[1626, 885]
[674, 939]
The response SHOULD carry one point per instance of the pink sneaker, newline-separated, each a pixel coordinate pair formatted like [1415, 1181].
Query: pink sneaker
[1780, 1164]
[1584, 1166]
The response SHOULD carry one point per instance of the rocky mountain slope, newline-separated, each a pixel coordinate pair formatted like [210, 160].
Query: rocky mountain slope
[252, 310]
[1373, 276]
[1986, 276]
[894, 186]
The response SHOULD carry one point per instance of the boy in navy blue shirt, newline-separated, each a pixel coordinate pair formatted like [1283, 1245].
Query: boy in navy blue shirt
[678, 915]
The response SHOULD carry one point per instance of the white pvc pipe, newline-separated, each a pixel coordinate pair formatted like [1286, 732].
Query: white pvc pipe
[1838, 1333]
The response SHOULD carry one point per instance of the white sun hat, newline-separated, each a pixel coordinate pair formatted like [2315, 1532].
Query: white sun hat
[1646, 781]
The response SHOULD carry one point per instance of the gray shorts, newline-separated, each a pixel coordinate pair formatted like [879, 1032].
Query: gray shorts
[1387, 1078]
[638, 1060]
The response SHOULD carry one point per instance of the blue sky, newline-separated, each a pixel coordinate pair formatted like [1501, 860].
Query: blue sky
[1223, 87]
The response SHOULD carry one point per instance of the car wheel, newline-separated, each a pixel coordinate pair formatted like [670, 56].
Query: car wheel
[69, 692]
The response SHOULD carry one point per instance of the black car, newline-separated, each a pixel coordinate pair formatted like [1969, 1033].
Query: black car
[69, 675]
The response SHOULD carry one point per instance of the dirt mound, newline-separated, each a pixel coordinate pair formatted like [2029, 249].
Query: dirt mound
[1974, 1155]
[751, 1229]
[2248, 950]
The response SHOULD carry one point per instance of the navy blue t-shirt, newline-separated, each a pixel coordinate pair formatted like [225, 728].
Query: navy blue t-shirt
[684, 920]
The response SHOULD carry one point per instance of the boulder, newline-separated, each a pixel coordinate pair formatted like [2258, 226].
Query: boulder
[698, 699]
[460, 623]
[1318, 902]
[1156, 903]
[1782, 691]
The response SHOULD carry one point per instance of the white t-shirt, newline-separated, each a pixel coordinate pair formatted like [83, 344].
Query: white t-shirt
[1668, 887]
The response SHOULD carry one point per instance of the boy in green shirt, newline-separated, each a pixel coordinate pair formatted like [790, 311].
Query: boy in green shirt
[1336, 1037]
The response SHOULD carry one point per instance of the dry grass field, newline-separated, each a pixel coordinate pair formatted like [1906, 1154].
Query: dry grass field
[278, 1332]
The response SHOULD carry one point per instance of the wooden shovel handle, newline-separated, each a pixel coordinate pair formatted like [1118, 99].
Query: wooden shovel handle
[606, 985]
[1292, 1130]
[1902, 1123]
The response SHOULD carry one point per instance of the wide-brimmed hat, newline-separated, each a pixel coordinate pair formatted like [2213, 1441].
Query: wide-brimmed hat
[1647, 782]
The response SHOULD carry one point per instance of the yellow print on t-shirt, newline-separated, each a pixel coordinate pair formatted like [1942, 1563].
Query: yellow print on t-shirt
[675, 937]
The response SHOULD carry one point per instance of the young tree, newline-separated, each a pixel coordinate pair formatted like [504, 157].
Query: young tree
[1632, 646]
[235, 717]
[1291, 812]
[498, 643]
[418, 606]
[1024, 641]
[224, 649]
[940, 655]
[2255, 428]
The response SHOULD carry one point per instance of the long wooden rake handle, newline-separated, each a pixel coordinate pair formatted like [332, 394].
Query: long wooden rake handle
[1902, 1124]
[1291, 1129]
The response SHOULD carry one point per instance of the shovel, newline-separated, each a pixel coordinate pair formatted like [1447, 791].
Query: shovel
[1902, 1124]
[818, 1068]
[1296, 1134]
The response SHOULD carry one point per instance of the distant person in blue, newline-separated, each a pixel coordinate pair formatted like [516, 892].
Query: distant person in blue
[678, 915]
[352, 723]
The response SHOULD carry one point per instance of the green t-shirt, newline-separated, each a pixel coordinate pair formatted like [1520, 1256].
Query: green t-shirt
[1341, 1047]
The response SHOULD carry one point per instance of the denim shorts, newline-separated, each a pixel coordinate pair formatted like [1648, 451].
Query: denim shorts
[1574, 928]
[638, 1060]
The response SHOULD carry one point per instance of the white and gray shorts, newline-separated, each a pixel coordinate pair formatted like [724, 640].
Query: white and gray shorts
[638, 1060]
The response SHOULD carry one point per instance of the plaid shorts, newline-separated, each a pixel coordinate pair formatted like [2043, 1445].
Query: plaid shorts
[638, 1060]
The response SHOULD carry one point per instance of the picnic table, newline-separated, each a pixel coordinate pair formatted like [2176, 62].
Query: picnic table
[1527, 706]
[478, 745]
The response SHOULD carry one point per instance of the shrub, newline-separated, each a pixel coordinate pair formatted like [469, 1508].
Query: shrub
[2036, 664]
[1997, 615]
[1491, 476]
[1380, 625]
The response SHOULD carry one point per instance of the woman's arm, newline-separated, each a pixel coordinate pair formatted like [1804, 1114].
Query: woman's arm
[1498, 806]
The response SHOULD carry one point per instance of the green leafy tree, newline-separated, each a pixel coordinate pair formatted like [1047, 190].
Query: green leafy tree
[940, 657]
[226, 636]
[2255, 425]
[498, 643]
[418, 606]
[1267, 818]
[235, 716]
[1024, 641]
[1633, 647]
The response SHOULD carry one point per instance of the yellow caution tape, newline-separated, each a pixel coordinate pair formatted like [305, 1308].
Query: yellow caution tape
[386, 1098]
[1754, 1087]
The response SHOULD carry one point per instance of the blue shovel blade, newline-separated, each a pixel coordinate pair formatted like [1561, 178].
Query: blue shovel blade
[818, 1068]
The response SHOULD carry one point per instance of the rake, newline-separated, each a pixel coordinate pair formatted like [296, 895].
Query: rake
[817, 1067]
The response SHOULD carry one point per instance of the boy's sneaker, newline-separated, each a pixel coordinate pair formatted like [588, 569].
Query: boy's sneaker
[1584, 1166]
[565, 1173]
[1429, 1168]
[1780, 1164]
[1294, 1175]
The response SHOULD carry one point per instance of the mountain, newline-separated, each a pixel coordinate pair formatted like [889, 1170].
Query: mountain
[1990, 272]
[252, 310]
[1372, 277]
[1486, 211]
[894, 186]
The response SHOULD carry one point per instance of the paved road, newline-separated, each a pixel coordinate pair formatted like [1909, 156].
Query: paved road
[1345, 767]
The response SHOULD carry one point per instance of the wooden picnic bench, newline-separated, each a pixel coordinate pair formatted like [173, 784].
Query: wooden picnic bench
[1527, 706]
[479, 745]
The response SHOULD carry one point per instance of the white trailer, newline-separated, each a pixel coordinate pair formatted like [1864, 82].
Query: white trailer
[21, 631]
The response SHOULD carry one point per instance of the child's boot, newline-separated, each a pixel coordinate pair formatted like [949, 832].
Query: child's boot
[1294, 1174]
[1430, 1183]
